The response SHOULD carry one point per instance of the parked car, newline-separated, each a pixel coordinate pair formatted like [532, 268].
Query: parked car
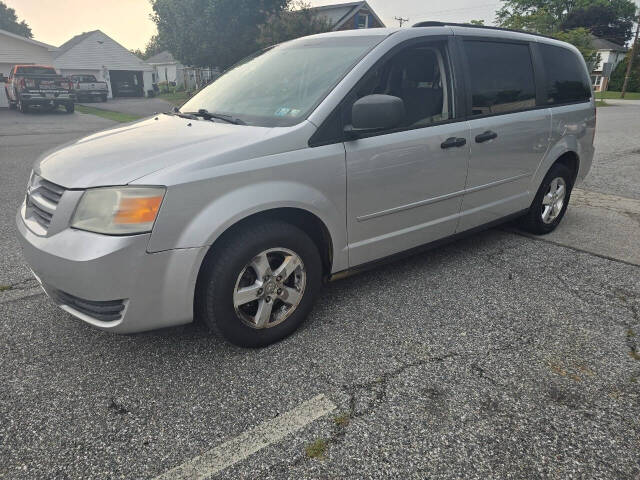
[38, 86]
[88, 88]
[317, 157]
[127, 88]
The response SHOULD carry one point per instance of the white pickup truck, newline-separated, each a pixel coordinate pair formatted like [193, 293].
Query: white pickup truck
[86, 87]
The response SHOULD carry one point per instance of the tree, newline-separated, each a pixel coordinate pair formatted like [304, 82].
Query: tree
[609, 17]
[476, 22]
[581, 39]
[153, 47]
[9, 22]
[212, 32]
[617, 77]
[296, 20]
[613, 21]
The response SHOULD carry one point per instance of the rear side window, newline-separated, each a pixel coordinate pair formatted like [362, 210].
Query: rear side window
[35, 70]
[501, 77]
[566, 77]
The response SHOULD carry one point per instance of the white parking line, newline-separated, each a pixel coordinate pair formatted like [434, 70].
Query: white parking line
[251, 441]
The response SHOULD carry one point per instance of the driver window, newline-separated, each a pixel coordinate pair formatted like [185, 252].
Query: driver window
[420, 77]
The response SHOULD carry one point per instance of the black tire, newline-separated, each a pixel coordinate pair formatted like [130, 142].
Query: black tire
[533, 222]
[217, 281]
[22, 107]
[103, 98]
[70, 107]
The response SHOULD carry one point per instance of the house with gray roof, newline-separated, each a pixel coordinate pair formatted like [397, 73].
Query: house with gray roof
[610, 53]
[95, 53]
[350, 16]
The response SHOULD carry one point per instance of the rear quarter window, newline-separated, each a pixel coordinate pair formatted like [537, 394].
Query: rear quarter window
[35, 71]
[566, 76]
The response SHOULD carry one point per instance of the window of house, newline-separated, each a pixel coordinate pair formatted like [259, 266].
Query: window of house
[501, 77]
[362, 20]
[420, 76]
[567, 79]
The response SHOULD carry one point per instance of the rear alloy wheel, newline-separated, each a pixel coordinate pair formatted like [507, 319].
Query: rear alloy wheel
[22, 107]
[551, 201]
[259, 283]
[70, 107]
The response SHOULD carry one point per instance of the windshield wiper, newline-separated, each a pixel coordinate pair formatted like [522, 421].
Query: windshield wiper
[218, 116]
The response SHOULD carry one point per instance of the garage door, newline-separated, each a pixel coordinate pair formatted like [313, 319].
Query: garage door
[126, 83]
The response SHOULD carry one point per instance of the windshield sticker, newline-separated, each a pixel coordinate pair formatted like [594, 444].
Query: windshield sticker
[294, 112]
[282, 112]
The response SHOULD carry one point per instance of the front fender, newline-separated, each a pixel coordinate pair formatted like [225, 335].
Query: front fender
[195, 214]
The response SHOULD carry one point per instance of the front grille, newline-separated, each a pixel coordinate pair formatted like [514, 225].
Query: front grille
[106, 311]
[42, 200]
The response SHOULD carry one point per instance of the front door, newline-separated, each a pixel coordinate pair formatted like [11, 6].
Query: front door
[405, 187]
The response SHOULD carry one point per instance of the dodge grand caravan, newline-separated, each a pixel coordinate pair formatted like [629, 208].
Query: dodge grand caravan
[306, 160]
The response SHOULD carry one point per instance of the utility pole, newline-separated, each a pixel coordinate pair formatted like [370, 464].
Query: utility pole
[633, 56]
[401, 20]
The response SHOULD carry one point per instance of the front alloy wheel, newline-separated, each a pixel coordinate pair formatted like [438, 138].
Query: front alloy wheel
[269, 289]
[259, 282]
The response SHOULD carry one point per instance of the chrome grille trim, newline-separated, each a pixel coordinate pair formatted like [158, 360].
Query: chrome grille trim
[42, 200]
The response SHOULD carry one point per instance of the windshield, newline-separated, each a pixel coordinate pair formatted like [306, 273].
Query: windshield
[281, 86]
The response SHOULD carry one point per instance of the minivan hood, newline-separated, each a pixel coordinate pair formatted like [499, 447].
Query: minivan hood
[121, 155]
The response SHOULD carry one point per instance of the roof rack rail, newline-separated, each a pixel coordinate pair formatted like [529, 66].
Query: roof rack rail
[451, 24]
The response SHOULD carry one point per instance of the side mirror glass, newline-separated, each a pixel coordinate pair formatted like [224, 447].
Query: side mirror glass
[376, 113]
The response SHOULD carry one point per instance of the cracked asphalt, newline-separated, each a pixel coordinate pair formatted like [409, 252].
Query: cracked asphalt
[497, 356]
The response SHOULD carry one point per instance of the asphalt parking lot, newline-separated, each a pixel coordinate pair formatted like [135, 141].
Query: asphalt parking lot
[497, 356]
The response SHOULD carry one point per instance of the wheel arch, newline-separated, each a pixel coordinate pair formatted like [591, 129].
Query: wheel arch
[571, 160]
[306, 221]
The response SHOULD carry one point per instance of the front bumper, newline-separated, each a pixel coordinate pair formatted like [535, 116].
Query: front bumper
[89, 275]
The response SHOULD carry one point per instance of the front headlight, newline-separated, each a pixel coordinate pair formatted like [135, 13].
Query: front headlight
[118, 210]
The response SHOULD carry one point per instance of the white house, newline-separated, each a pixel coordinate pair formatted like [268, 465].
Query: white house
[167, 68]
[609, 53]
[350, 16]
[95, 53]
[17, 50]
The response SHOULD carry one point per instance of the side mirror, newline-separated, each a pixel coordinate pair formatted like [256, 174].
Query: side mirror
[375, 113]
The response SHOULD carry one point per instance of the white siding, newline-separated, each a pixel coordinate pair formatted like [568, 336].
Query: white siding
[609, 56]
[14, 51]
[98, 50]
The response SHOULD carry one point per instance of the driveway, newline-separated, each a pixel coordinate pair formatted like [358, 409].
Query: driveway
[134, 106]
[497, 356]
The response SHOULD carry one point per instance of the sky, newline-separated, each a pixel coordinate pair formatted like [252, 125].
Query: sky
[128, 22]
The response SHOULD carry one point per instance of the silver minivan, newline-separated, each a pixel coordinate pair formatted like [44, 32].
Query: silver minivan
[303, 162]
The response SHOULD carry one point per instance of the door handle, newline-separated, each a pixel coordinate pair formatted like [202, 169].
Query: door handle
[453, 142]
[486, 136]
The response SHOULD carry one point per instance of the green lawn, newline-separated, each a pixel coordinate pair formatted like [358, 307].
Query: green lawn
[177, 98]
[109, 115]
[602, 103]
[627, 96]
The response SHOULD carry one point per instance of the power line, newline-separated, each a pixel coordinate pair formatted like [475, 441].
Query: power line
[401, 20]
